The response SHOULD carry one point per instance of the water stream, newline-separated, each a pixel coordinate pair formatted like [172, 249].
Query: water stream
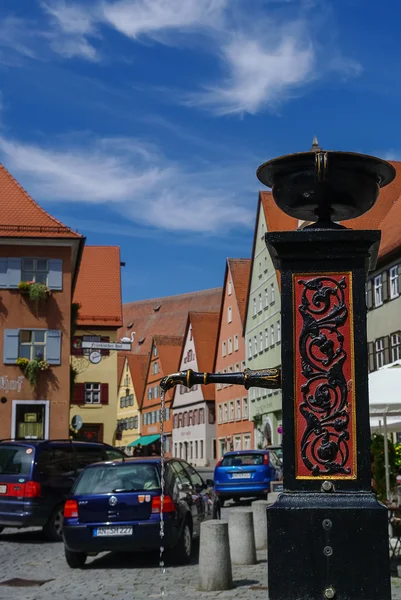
[162, 447]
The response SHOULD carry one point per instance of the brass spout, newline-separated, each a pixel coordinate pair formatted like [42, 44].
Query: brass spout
[264, 378]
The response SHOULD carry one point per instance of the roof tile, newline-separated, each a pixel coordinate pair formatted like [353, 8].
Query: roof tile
[240, 269]
[205, 328]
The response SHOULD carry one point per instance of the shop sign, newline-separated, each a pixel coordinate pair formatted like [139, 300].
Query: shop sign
[15, 385]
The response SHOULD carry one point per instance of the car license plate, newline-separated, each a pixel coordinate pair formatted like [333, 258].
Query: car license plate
[3, 489]
[241, 475]
[112, 531]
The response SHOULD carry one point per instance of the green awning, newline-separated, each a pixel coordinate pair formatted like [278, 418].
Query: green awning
[145, 440]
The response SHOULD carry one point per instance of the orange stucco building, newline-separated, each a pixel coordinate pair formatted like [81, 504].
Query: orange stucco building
[234, 431]
[35, 248]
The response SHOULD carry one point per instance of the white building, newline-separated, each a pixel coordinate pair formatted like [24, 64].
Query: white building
[194, 413]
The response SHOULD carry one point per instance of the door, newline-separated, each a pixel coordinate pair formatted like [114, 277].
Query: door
[91, 433]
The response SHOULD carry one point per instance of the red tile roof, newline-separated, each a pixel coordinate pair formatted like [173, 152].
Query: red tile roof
[240, 269]
[164, 316]
[98, 288]
[385, 215]
[169, 349]
[138, 366]
[21, 216]
[205, 329]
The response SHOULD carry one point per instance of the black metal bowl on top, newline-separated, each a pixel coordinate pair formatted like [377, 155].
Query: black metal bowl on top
[325, 185]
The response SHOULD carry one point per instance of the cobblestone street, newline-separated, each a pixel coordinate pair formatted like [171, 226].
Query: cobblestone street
[26, 555]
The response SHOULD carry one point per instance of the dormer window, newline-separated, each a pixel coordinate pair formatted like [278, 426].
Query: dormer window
[230, 287]
[130, 325]
[140, 342]
[157, 308]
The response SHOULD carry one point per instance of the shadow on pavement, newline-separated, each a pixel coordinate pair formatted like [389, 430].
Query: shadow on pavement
[25, 536]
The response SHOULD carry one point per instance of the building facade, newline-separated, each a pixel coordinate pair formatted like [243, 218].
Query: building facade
[98, 294]
[164, 359]
[131, 377]
[194, 411]
[263, 333]
[234, 430]
[39, 260]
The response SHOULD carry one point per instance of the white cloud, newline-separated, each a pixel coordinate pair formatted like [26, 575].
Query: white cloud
[134, 18]
[132, 178]
[70, 24]
[258, 74]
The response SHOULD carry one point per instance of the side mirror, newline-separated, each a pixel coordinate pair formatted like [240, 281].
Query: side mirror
[210, 483]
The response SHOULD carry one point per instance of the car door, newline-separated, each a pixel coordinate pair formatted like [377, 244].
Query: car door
[202, 489]
[56, 470]
[188, 494]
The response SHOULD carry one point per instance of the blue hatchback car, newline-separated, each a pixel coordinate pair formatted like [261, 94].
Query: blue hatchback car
[116, 507]
[245, 474]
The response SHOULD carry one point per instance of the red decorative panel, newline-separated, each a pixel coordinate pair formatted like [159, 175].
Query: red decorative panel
[325, 426]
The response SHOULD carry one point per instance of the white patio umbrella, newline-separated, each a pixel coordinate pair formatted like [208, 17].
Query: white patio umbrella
[385, 405]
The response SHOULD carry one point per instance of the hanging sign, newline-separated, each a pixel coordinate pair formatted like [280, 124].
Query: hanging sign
[106, 346]
[95, 357]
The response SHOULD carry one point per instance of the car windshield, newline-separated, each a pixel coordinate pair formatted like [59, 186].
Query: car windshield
[15, 460]
[239, 460]
[115, 479]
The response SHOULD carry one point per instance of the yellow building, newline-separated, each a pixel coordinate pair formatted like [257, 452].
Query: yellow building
[98, 293]
[131, 381]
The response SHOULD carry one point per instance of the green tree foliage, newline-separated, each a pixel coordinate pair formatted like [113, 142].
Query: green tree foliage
[377, 448]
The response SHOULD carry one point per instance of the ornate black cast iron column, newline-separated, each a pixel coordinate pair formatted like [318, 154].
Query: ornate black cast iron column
[327, 533]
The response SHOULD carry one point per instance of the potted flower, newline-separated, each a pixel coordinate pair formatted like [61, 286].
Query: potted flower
[31, 368]
[38, 292]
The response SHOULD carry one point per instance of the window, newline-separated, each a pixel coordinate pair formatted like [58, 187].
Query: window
[35, 269]
[243, 365]
[237, 442]
[230, 345]
[263, 231]
[185, 419]
[247, 441]
[191, 417]
[92, 393]
[237, 368]
[180, 420]
[266, 298]
[56, 461]
[255, 345]
[266, 339]
[156, 391]
[272, 335]
[260, 269]
[220, 414]
[232, 410]
[236, 342]
[150, 393]
[154, 350]
[196, 449]
[212, 415]
[249, 348]
[32, 344]
[229, 314]
[244, 408]
[238, 409]
[395, 346]
[272, 294]
[260, 303]
[225, 412]
[230, 287]
[201, 449]
[196, 417]
[265, 264]
[278, 332]
[378, 287]
[394, 282]
[155, 368]
[201, 416]
[261, 342]
[379, 351]
[224, 349]
[254, 307]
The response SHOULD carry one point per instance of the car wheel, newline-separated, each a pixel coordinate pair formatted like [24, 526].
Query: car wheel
[216, 513]
[75, 560]
[182, 552]
[53, 529]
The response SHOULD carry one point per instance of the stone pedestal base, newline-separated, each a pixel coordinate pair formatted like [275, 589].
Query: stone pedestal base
[330, 545]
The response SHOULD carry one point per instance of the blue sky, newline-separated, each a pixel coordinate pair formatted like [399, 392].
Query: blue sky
[141, 122]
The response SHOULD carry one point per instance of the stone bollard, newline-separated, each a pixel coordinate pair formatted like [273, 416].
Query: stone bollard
[215, 571]
[259, 508]
[242, 539]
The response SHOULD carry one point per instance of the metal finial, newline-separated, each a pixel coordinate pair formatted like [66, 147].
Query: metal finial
[315, 144]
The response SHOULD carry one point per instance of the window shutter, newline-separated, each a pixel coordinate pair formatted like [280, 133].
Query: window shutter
[53, 347]
[371, 357]
[55, 275]
[105, 340]
[11, 346]
[386, 341]
[3, 272]
[104, 393]
[385, 280]
[13, 272]
[79, 394]
[369, 294]
[399, 277]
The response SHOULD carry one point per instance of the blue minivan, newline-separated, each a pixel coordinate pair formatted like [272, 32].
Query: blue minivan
[36, 477]
[245, 474]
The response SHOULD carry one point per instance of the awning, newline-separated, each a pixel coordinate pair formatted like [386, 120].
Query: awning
[145, 440]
